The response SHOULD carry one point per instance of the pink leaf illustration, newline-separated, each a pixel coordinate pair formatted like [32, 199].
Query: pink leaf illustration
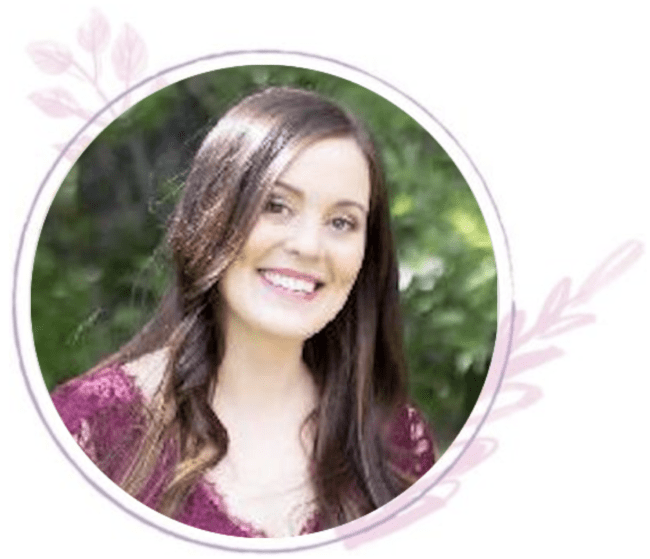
[528, 395]
[614, 265]
[554, 305]
[568, 323]
[50, 57]
[129, 55]
[532, 359]
[514, 322]
[56, 102]
[93, 36]
[519, 338]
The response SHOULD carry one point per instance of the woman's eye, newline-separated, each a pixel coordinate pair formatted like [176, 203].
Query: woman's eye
[276, 206]
[344, 224]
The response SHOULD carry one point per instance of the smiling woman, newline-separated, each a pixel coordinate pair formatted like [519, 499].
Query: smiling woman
[267, 396]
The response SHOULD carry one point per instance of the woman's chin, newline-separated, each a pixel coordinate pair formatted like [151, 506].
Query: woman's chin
[286, 330]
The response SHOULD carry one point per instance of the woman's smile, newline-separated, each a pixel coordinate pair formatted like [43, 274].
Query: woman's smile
[291, 283]
[301, 260]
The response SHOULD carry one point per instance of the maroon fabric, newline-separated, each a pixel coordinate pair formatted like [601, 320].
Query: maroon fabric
[104, 412]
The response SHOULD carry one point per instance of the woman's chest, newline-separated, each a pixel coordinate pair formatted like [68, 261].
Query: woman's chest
[264, 481]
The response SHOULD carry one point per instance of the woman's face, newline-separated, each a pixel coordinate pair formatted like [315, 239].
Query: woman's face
[297, 267]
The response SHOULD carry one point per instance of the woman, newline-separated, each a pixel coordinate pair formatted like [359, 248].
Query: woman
[267, 396]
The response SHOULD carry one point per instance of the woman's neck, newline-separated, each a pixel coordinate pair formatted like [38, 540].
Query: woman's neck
[260, 371]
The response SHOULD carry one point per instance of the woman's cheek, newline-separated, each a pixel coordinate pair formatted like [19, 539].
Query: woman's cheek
[262, 233]
[351, 261]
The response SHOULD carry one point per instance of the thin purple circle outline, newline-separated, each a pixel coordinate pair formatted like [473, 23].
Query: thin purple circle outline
[151, 78]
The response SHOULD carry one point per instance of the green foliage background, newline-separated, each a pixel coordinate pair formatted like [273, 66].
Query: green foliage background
[100, 268]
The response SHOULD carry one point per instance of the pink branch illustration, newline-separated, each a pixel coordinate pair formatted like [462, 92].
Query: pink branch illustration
[556, 317]
[129, 61]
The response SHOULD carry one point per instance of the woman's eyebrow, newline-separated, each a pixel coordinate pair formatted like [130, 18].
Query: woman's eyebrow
[298, 192]
[292, 189]
[352, 203]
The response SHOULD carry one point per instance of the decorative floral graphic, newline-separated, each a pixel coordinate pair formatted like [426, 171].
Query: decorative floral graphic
[557, 316]
[127, 55]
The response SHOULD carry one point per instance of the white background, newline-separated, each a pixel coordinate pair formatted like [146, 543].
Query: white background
[553, 105]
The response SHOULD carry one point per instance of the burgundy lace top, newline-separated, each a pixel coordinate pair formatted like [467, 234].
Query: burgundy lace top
[104, 412]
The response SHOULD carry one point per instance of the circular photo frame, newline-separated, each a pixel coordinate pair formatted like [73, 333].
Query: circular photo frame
[80, 294]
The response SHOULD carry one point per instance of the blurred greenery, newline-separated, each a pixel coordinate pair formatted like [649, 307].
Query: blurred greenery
[99, 268]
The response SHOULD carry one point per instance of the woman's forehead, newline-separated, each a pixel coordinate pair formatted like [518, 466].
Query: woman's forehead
[330, 168]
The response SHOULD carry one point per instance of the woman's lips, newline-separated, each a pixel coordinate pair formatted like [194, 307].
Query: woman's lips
[288, 272]
[291, 283]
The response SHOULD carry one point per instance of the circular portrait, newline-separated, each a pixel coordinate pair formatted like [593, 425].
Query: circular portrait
[264, 301]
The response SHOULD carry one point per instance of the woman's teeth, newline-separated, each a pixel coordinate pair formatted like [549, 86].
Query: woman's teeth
[294, 284]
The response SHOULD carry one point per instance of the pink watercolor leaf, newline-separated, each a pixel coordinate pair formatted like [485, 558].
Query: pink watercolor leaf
[57, 103]
[528, 395]
[517, 325]
[567, 323]
[519, 338]
[532, 359]
[554, 305]
[613, 266]
[50, 57]
[94, 35]
[129, 55]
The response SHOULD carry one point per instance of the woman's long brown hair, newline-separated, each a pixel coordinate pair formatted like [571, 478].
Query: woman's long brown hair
[357, 360]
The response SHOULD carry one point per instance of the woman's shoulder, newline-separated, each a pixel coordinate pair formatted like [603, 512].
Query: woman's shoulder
[115, 382]
[106, 410]
[103, 411]
[110, 400]
[147, 371]
[412, 441]
[84, 395]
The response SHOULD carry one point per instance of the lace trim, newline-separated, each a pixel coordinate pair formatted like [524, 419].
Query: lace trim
[217, 499]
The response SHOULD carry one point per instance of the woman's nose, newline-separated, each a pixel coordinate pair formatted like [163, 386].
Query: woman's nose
[305, 238]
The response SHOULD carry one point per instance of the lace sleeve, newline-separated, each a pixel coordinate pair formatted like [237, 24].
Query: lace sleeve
[412, 443]
[104, 413]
